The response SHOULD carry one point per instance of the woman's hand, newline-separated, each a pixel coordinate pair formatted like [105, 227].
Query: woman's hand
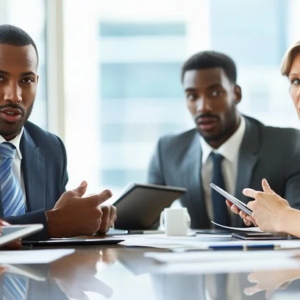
[268, 208]
[248, 220]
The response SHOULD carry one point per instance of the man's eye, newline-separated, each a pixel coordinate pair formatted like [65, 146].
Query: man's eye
[216, 93]
[191, 97]
[1, 78]
[28, 80]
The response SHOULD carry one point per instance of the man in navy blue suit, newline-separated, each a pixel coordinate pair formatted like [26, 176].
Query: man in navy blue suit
[33, 173]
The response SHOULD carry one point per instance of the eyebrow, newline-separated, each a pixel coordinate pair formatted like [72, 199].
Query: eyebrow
[293, 74]
[208, 88]
[22, 74]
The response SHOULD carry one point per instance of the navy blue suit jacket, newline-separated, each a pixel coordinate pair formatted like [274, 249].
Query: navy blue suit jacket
[44, 169]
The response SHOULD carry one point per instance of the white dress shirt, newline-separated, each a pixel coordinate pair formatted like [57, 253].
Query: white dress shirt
[16, 166]
[230, 151]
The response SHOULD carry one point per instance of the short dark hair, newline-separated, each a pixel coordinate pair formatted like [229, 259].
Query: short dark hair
[211, 59]
[15, 36]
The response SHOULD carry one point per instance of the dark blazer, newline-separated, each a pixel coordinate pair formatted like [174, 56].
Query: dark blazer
[44, 168]
[266, 152]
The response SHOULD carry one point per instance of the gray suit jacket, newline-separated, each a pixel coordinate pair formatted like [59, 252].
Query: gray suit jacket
[266, 152]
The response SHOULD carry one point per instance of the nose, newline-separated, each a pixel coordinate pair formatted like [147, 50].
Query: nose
[203, 105]
[12, 93]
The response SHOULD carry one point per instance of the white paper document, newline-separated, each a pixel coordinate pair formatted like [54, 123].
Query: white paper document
[247, 229]
[223, 261]
[33, 256]
[171, 242]
[206, 256]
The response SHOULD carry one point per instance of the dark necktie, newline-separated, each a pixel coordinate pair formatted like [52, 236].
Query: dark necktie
[220, 210]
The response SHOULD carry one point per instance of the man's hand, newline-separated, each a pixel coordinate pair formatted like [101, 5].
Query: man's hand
[108, 218]
[13, 245]
[75, 215]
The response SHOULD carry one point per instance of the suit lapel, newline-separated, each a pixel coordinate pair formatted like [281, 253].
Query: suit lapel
[33, 170]
[193, 180]
[248, 157]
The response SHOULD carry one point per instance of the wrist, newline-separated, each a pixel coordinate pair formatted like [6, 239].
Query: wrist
[53, 226]
[285, 220]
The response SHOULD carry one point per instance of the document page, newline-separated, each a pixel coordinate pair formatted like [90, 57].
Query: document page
[246, 229]
[33, 256]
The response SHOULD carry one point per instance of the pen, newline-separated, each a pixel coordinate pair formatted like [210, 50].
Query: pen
[245, 247]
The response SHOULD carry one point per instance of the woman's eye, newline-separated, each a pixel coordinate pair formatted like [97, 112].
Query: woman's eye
[295, 81]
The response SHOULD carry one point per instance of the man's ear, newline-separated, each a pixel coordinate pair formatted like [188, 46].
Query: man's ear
[238, 94]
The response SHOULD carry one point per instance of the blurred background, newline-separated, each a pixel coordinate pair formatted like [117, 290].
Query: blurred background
[110, 72]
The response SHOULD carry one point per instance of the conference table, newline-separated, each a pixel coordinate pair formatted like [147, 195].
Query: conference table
[119, 272]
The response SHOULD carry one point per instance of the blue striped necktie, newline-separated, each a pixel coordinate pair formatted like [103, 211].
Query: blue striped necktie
[12, 195]
[14, 287]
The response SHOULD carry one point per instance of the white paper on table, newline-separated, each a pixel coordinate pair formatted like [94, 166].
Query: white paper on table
[171, 242]
[214, 267]
[213, 262]
[33, 256]
[213, 256]
[248, 229]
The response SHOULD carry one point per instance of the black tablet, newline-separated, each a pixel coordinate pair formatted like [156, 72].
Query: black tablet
[73, 242]
[140, 205]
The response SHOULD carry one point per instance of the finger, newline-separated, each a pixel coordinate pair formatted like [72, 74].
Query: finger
[98, 199]
[266, 187]
[252, 278]
[249, 193]
[80, 190]
[113, 215]
[250, 219]
[251, 290]
[105, 222]
[235, 209]
[247, 222]
[228, 203]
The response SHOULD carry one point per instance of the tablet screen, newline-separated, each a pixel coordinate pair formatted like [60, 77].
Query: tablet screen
[13, 232]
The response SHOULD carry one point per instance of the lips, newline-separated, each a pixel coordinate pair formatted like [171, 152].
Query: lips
[207, 123]
[10, 114]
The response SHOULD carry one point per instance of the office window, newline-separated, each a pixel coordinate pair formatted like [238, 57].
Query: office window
[123, 86]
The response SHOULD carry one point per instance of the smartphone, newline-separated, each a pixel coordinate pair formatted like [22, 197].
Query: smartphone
[241, 205]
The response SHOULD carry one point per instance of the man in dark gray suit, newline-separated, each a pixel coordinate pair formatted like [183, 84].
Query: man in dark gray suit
[33, 174]
[249, 150]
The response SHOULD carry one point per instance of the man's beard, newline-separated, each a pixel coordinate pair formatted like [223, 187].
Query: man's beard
[12, 129]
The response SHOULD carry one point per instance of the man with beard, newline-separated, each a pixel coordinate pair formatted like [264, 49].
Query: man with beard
[229, 149]
[33, 173]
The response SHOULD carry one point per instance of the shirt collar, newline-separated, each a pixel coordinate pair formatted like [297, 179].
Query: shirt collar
[230, 148]
[15, 141]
